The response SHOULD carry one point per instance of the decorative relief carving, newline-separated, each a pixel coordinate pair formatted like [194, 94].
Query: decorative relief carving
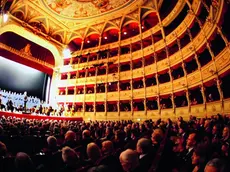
[197, 110]
[26, 50]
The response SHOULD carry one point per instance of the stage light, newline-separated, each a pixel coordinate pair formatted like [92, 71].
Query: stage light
[125, 33]
[5, 18]
[105, 37]
[88, 41]
[138, 119]
[142, 27]
[66, 53]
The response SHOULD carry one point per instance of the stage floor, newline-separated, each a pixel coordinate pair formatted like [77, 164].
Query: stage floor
[30, 116]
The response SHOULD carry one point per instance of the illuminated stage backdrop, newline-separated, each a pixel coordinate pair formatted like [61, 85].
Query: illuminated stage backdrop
[19, 78]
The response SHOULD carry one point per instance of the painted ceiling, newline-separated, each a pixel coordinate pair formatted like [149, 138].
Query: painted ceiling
[84, 8]
[66, 21]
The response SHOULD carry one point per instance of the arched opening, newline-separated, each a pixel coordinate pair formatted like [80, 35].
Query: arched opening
[91, 41]
[110, 36]
[25, 66]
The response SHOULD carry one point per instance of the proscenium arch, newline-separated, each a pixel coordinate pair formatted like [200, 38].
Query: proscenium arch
[34, 38]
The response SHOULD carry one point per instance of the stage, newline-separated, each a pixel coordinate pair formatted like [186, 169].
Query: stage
[30, 116]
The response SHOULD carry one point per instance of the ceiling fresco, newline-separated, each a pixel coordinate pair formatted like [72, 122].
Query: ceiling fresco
[63, 21]
[84, 8]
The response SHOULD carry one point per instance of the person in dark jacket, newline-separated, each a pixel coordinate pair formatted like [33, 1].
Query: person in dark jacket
[145, 151]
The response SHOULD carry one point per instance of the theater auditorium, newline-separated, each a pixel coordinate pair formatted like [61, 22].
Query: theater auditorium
[114, 85]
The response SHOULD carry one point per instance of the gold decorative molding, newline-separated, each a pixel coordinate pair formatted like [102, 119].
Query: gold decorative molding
[15, 28]
[26, 55]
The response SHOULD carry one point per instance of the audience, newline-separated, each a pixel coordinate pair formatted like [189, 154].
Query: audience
[115, 146]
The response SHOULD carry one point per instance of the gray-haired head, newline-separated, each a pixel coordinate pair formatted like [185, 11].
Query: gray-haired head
[51, 141]
[215, 165]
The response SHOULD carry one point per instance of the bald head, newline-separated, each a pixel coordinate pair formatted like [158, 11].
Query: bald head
[129, 160]
[107, 146]
[85, 134]
[70, 136]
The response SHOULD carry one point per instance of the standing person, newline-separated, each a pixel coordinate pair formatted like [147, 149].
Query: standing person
[25, 100]
[0, 101]
[10, 106]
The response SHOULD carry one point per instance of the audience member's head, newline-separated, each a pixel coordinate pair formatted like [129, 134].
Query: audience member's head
[225, 133]
[143, 146]
[215, 165]
[100, 168]
[225, 149]
[52, 142]
[108, 131]
[85, 134]
[23, 163]
[157, 136]
[93, 152]
[182, 128]
[120, 135]
[107, 147]
[134, 133]
[69, 156]
[199, 157]
[215, 129]
[129, 160]
[70, 136]
[3, 149]
[191, 141]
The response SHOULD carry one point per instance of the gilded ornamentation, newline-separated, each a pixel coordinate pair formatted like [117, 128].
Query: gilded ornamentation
[26, 50]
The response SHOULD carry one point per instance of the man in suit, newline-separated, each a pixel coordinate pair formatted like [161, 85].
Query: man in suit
[133, 142]
[190, 145]
[183, 131]
[86, 139]
[145, 151]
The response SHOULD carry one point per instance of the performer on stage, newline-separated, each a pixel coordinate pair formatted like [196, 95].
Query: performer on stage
[25, 100]
[1, 106]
